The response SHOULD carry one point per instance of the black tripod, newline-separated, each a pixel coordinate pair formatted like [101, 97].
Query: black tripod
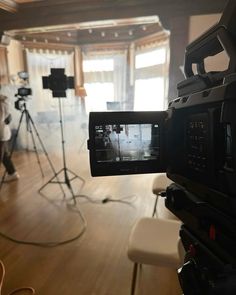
[67, 180]
[31, 128]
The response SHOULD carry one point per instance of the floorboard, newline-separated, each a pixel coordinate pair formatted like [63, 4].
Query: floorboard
[95, 264]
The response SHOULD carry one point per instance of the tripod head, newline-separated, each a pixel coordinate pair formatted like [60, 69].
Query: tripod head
[22, 92]
[20, 103]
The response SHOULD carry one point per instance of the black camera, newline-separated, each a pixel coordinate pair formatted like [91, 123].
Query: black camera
[19, 104]
[22, 95]
[194, 142]
[22, 92]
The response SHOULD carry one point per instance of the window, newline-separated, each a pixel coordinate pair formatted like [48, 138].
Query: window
[98, 65]
[98, 94]
[149, 94]
[150, 80]
[108, 77]
[151, 58]
[105, 78]
[98, 83]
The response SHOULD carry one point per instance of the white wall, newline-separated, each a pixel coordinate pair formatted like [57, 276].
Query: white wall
[15, 58]
[198, 25]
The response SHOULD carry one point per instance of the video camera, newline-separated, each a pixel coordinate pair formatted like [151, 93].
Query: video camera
[22, 92]
[194, 142]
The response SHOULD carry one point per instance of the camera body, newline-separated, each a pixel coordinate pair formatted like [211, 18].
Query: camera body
[22, 92]
[194, 142]
[201, 127]
[20, 103]
[22, 96]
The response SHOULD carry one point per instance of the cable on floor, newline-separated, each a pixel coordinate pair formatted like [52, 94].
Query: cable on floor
[108, 199]
[74, 208]
[53, 243]
[2, 277]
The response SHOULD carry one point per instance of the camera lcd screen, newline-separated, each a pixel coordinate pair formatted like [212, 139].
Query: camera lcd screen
[125, 142]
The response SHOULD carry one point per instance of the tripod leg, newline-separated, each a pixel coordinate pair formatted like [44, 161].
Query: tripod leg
[17, 133]
[68, 183]
[67, 180]
[77, 176]
[29, 129]
[46, 154]
[51, 181]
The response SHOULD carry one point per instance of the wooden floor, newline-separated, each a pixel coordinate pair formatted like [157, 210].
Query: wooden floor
[95, 264]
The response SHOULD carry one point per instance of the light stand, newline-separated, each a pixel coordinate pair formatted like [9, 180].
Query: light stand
[67, 180]
[58, 83]
[31, 128]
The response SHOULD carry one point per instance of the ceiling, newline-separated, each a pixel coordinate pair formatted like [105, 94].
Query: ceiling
[116, 31]
[106, 31]
[13, 5]
[94, 21]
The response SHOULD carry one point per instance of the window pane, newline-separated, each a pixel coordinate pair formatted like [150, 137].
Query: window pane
[148, 59]
[149, 95]
[98, 65]
[98, 95]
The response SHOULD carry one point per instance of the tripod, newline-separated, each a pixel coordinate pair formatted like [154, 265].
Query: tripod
[65, 171]
[31, 128]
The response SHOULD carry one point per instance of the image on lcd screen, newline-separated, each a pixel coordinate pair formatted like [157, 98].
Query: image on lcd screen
[127, 142]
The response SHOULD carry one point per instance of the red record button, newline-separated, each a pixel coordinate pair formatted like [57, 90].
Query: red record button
[192, 250]
[212, 232]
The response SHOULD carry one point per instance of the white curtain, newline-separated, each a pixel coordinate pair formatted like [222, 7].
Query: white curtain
[105, 80]
[39, 64]
[44, 109]
[151, 77]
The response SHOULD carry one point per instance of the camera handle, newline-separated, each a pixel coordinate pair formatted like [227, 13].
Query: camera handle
[220, 37]
[215, 41]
